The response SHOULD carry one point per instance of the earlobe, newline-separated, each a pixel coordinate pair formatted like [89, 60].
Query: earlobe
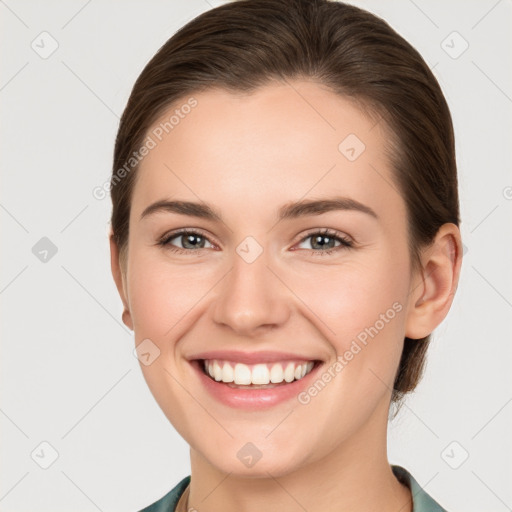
[127, 319]
[432, 294]
[119, 279]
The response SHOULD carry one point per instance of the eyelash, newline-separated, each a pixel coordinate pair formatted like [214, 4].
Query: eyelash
[345, 242]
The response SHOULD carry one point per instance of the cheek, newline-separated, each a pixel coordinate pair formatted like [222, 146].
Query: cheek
[361, 315]
[162, 300]
[360, 310]
[160, 295]
[349, 298]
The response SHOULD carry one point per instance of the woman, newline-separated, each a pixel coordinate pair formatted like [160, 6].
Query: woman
[284, 240]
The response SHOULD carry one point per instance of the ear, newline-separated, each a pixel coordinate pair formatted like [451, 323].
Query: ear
[120, 279]
[433, 288]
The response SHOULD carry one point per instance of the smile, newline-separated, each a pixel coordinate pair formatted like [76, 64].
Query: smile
[261, 374]
[258, 383]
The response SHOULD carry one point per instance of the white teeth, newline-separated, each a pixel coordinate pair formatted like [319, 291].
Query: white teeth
[242, 374]
[258, 374]
[289, 373]
[276, 373]
[217, 371]
[228, 375]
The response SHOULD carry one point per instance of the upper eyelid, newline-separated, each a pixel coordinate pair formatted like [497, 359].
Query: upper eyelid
[183, 231]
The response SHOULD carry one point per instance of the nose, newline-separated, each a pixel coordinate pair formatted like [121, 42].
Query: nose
[251, 299]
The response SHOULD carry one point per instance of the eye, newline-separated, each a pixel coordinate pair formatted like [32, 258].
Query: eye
[325, 240]
[190, 240]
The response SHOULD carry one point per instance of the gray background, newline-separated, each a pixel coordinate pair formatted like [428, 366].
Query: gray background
[68, 374]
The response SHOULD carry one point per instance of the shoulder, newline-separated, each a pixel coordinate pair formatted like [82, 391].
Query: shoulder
[422, 502]
[168, 502]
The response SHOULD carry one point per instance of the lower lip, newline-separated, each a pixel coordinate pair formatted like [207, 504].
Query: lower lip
[254, 398]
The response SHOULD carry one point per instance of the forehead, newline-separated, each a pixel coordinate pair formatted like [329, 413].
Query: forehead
[280, 142]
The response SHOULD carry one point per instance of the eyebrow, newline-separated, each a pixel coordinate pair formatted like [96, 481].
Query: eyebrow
[292, 210]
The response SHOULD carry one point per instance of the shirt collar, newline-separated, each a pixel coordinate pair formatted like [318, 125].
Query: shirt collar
[421, 501]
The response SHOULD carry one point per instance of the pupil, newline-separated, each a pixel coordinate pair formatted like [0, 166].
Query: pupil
[320, 240]
[190, 239]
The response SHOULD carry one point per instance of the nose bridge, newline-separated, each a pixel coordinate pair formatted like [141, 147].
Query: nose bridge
[251, 296]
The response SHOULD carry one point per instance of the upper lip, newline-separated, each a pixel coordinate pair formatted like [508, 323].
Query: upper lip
[250, 357]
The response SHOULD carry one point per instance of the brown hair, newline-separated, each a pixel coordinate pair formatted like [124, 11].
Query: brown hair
[246, 44]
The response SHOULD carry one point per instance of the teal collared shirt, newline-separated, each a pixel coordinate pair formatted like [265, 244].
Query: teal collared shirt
[421, 501]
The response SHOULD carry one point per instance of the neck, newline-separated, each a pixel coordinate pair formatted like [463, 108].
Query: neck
[354, 477]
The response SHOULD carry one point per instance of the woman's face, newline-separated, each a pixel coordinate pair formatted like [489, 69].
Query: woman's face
[258, 285]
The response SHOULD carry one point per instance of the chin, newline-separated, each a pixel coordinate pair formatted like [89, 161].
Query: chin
[248, 461]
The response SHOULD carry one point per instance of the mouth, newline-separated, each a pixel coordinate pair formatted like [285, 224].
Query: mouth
[255, 386]
[255, 376]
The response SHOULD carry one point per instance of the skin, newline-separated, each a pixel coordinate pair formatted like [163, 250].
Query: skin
[248, 155]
